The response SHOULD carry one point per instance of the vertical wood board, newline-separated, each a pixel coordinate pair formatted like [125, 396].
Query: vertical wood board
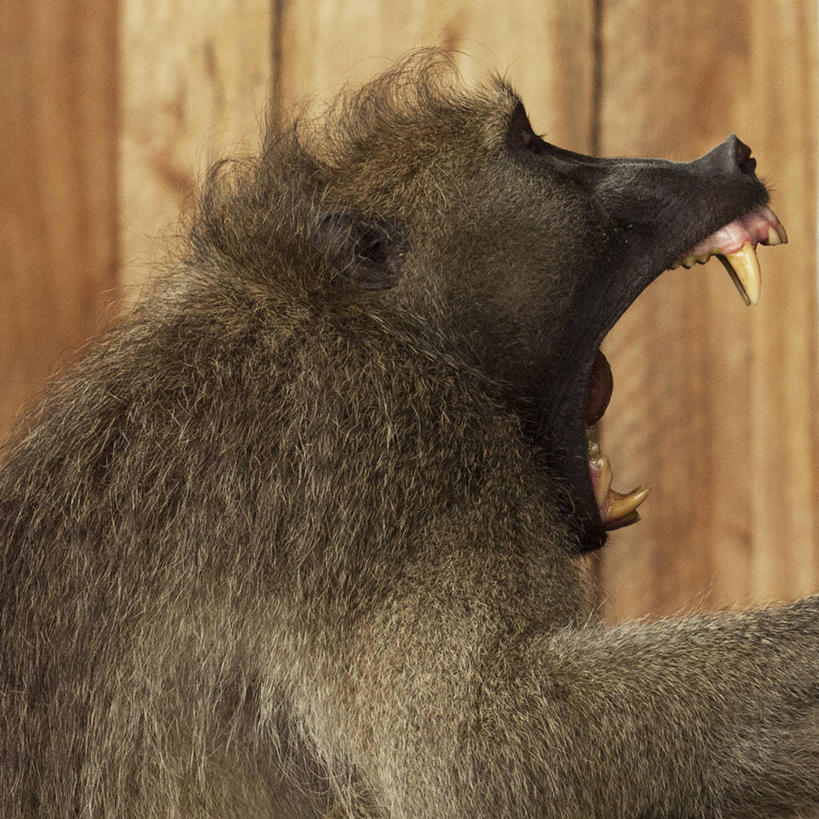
[57, 187]
[715, 404]
[195, 87]
[545, 49]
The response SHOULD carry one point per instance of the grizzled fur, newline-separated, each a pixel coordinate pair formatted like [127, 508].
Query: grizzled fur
[281, 546]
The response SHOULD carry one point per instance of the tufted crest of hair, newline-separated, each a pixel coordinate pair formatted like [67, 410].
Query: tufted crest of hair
[358, 162]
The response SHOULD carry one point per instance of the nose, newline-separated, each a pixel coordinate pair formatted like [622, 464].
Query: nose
[729, 157]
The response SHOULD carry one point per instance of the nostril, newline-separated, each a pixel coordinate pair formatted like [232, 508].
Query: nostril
[742, 155]
[732, 156]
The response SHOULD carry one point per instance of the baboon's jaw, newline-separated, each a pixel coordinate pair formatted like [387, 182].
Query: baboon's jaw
[735, 246]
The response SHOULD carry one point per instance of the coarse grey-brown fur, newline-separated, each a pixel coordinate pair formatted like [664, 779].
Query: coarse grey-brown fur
[279, 545]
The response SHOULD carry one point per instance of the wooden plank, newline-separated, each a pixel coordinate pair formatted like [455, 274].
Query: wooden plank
[715, 404]
[195, 84]
[545, 48]
[57, 186]
[785, 561]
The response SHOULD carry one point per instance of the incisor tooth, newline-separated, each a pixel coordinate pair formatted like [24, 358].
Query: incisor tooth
[776, 237]
[743, 266]
[603, 466]
[622, 505]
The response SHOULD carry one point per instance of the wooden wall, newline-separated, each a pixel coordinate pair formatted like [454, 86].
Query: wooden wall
[112, 112]
[58, 185]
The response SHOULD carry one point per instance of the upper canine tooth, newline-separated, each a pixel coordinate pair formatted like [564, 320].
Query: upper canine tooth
[743, 266]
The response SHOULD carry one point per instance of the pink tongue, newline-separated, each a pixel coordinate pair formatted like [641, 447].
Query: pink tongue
[599, 389]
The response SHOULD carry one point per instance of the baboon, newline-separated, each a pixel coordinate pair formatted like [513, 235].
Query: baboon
[301, 536]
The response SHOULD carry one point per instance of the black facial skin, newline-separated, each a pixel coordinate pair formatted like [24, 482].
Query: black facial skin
[653, 211]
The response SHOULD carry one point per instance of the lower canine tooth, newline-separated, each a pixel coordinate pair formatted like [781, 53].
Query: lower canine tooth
[622, 505]
[743, 266]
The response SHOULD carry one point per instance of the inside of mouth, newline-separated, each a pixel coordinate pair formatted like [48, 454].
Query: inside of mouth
[735, 245]
[616, 509]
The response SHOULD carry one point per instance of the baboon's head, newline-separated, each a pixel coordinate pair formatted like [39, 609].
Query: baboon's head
[448, 207]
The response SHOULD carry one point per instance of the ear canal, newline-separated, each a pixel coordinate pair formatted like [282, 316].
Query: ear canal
[368, 253]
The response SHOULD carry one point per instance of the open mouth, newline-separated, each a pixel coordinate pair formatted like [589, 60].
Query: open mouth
[735, 246]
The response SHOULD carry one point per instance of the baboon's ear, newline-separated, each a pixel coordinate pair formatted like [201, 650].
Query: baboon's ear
[367, 252]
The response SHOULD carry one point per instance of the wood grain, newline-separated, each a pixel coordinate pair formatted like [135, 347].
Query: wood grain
[715, 404]
[57, 186]
[546, 49]
[195, 85]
